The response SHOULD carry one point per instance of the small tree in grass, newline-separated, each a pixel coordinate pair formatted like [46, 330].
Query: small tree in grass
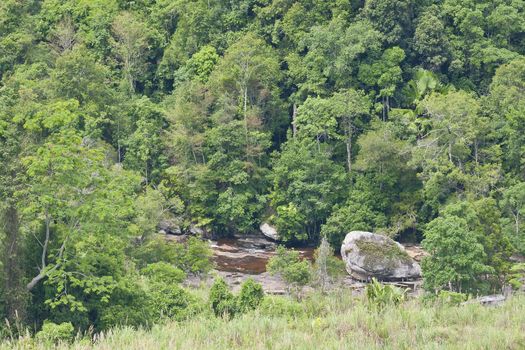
[251, 295]
[222, 301]
[225, 304]
[289, 265]
[326, 267]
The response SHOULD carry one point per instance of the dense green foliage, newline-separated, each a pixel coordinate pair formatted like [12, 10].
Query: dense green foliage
[400, 117]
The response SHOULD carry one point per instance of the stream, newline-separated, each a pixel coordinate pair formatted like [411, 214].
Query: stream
[247, 254]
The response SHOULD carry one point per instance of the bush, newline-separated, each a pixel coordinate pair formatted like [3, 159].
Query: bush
[251, 295]
[53, 333]
[517, 275]
[452, 298]
[166, 299]
[281, 306]
[128, 306]
[193, 256]
[155, 249]
[380, 295]
[290, 266]
[164, 273]
[222, 301]
[173, 302]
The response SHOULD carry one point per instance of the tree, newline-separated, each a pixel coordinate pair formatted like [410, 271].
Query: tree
[456, 256]
[202, 63]
[392, 18]
[473, 254]
[223, 302]
[365, 210]
[309, 180]
[245, 78]
[131, 41]
[384, 73]
[11, 182]
[351, 107]
[507, 109]
[431, 42]
[142, 146]
[333, 51]
[80, 210]
[333, 119]
[382, 153]
[251, 296]
[513, 206]
[455, 149]
[326, 266]
[315, 120]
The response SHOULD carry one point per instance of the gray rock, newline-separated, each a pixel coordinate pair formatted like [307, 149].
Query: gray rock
[269, 231]
[170, 227]
[367, 255]
[488, 300]
[195, 230]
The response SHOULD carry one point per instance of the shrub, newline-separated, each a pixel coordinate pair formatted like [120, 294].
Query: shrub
[155, 249]
[517, 275]
[173, 302]
[281, 306]
[192, 256]
[452, 298]
[380, 295]
[166, 299]
[222, 301]
[250, 297]
[128, 305]
[164, 272]
[53, 333]
[289, 265]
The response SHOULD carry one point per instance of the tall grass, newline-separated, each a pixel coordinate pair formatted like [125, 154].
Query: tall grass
[336, 321]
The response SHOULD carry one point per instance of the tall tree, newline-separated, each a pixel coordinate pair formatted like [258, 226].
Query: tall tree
[132, 42]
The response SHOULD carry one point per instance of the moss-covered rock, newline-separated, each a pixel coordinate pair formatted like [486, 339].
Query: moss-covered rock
[368, 255]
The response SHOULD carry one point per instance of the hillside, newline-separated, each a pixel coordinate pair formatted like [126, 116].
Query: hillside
[136, 134]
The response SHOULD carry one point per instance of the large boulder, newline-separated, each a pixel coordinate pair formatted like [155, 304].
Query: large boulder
[368, 255]
[269, 231]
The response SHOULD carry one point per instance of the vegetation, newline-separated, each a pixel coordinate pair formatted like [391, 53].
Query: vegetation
[335, 320]
[327, 268]
[377, 253]
[404, 117]
[288, 264]
[379, 296]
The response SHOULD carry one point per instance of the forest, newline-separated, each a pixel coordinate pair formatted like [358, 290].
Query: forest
[400, 117]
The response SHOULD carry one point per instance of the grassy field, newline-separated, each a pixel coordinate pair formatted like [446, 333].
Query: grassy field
[337, 321]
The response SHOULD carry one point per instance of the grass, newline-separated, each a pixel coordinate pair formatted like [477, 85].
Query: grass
[337, 321]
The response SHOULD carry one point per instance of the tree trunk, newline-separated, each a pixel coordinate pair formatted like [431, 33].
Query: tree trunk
[294, 116]
[349, 148]
[15, 296]
[245, 110]
[517, 221]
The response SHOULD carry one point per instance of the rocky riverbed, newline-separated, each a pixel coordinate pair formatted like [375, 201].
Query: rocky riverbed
[240, 258]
